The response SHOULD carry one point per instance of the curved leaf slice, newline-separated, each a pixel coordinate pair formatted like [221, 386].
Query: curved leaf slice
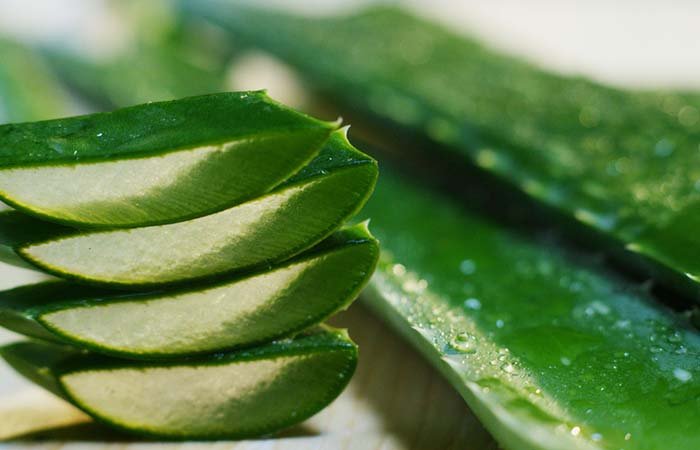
[548, 348]
[235, 313]
[155, 163]
[229, 395]
[297, 215]
[621, 163]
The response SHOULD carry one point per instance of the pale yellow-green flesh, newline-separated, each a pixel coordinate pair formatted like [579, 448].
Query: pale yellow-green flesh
[242, 312]
[215, 318]
[208, 400]
[260, 230]
[46, 190]
[155, 188]
[151, 253]
[190, 322]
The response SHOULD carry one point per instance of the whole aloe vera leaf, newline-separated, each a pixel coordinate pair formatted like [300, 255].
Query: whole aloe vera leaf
[155, 163]
[304, 210]
[238, 312]
[28, 90]
[621, 163]
[228, 395]
[548, 348]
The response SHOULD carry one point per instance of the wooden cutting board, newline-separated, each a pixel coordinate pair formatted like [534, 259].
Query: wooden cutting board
[395, 401]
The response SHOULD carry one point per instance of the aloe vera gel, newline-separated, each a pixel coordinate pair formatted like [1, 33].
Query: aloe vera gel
[200, 243]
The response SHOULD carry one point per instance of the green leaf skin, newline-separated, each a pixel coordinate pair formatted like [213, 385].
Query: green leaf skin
[304, 210]
[549, 349]
[225, 396]
[621, 163]
[234, 313]
[155, 163]
[28, 91]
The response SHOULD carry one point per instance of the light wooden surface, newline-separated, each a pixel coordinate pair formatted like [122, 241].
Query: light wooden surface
[395, 401]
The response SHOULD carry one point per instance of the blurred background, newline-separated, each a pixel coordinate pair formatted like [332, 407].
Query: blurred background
[78, 56]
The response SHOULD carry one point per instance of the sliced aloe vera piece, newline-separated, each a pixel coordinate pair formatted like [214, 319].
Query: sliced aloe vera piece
[28, 91]
[621, 163]
[241, 312]
[300, 213]
[229, 395]
[155, 163]
[548, 348]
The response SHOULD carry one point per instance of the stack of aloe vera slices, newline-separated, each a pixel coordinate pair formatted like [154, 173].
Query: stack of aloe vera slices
[198, 244]
[550, 347]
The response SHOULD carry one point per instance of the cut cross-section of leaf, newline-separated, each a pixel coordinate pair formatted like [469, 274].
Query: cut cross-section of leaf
[297, 215]
[234, 313]
[228, 395]
[155, 163]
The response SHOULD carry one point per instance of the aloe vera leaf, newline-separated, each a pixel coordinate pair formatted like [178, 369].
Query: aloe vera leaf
[165, 59]
[28, 91]
[147, 72]
[234, 313]
[155, 163]
[301, 212]
[548, 348]
[621, 163]
[228, 395]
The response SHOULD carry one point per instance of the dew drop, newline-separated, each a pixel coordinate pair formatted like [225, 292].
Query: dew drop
[575, 431]
[467, 267]
[565, 361]
[682, 375]
[663, 148]
[674, 337]
[508, 368]
[628, 436]
[623, 323]
[399, 270]
[596, 437]
[415, 286]
[472, 303]
[500, 323]
[464, 342]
